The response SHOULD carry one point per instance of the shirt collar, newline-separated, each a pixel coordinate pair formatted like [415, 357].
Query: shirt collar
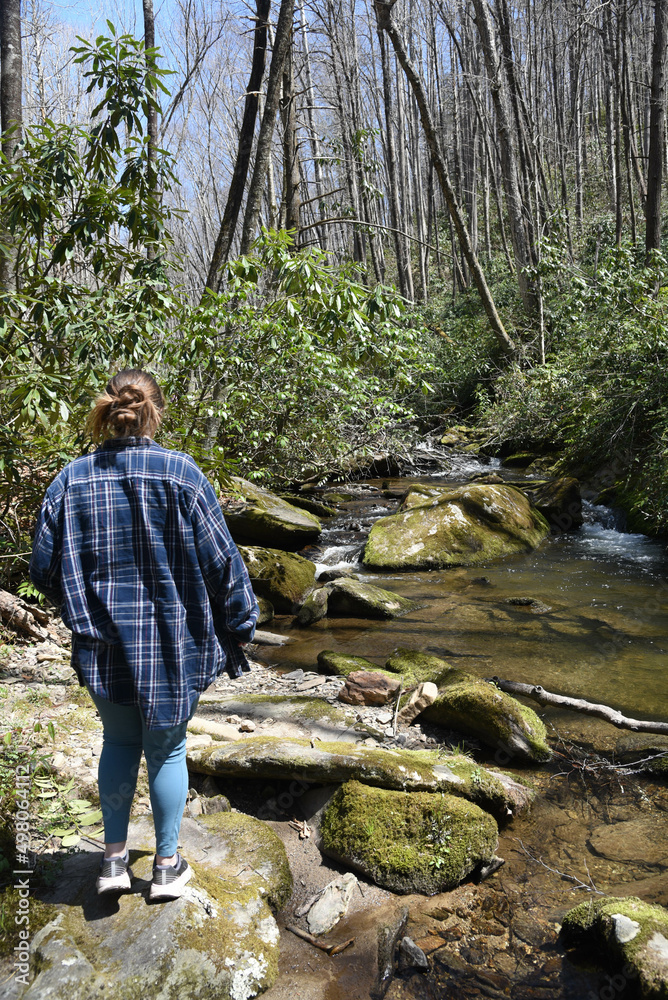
[115, 444]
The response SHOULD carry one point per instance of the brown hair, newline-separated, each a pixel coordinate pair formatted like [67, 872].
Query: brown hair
[131, 405]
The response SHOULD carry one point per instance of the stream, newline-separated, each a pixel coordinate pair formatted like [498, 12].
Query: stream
[600, 632]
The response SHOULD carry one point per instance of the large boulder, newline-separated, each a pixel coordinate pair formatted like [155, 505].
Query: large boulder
[266, 519]
[283, 578]
[218, 939]
[343, 664]
[558, 500]
[335, 762]
[630, 932]
[457, 527]
[407, 842]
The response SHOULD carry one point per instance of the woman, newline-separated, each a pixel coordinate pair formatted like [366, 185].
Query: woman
[132, 544]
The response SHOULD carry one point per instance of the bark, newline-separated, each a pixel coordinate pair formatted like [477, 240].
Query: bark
[282, 42]
[656, 128]
[291, 176]
[235, 194]
[152, 115]
[11, 90]
[508, 155]
[22, 616]
[537, 693]
[384, 15]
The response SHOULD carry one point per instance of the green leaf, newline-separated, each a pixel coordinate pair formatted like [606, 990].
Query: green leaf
[71, 840]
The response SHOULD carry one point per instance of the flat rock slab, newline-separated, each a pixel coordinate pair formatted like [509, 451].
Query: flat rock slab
[299, 713]
[219, 939]
[466, 526]
[329, 763]
[407, 842]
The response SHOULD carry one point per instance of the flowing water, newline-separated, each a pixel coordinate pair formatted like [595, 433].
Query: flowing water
[600, 632]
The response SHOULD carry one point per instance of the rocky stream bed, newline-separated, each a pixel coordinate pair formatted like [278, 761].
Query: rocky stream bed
[435, 857]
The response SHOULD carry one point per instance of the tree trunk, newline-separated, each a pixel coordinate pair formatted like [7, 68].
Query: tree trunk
[384, 15]
[263, 152]
[291, 177]
[657, 116]
[11, 89]
[235, 194]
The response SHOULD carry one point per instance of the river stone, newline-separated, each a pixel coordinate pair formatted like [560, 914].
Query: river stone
[559, 501]
[309, 504]
[314, 607]
[332, 904]
[643, 840]
[266, 610]
[423, 696]
[267, 520]
[458, 527]
[475, 707]
[218, 939]
[332, 763]
[367, 688]
[416, 667]
[649, 751]
[605, 924]
[353, 599]
[417, 842]
[283, 578]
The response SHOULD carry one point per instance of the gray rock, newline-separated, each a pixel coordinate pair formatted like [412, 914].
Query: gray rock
[314, 607]
[266, 519]
[283, 578]
[412, 957]
[219, 939]
[332, 904]
[353, 599]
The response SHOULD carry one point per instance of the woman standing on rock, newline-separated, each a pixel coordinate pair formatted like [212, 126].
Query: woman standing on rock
[132, 544]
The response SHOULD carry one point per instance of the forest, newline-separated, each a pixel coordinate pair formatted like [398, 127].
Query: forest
[332, 228]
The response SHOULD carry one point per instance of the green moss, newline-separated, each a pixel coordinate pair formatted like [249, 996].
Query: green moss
[463, 527]
[416, 667]
[283, 578]
[417, 842]
[472, 706]
[641, 946]
[268, 520]
[340, 664]
[40, 914]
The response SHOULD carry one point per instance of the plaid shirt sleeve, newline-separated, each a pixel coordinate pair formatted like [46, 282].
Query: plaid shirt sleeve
[233, 603]
[45, 561]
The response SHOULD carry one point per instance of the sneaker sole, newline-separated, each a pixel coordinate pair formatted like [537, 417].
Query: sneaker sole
[117, 884]
[174, 889]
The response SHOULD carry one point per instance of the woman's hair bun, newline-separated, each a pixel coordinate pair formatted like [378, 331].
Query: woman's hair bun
[132, 404]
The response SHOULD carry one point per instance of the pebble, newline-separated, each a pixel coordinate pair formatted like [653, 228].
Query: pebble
[247, 726]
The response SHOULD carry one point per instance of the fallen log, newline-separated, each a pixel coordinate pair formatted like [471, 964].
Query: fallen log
[24, 617]
[543, 697]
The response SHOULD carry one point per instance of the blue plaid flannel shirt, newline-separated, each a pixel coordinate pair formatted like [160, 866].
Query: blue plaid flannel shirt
[132, 544]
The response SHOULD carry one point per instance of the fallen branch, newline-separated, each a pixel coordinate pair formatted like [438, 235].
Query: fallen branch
[331, 949]
[19, 615]
[543, 697]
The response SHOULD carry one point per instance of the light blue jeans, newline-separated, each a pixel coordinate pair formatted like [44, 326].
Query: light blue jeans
[125, 736]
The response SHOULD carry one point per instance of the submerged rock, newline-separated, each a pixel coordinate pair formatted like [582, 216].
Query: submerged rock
[417, 842]
[219, 939]
[629, 931]
[331, 763]
[283, 578]
[266, 519]
[458, 527]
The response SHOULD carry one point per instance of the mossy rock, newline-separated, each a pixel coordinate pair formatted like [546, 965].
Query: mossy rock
[416, 667]
[629, 931]
[341, 664]
[334, 762]
[407, 842]
[314, 607]
[559, 501]
[354, 599]
[295, 708]
[472, 706]
[268, 520]
[309, 504]
[266, 610]
[217, 940]
[283, 578]
[462, 527]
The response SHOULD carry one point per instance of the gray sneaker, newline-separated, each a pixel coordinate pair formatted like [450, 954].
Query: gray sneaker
[169, 883]
[114, 875]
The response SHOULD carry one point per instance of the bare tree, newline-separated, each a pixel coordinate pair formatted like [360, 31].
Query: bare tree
[11, 91]
[656, 128]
